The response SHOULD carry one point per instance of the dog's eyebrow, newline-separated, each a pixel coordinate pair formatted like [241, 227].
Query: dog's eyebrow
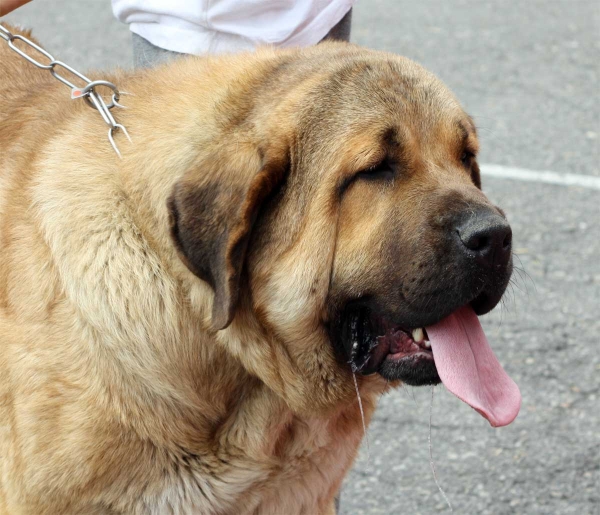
[390, 137]
[467, 130]
[467, 127]
[464, 131]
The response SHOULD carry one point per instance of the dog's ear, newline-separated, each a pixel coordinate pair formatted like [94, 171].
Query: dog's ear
[211, 213]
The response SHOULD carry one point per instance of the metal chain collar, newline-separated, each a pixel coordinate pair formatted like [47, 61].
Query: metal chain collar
[88, 92]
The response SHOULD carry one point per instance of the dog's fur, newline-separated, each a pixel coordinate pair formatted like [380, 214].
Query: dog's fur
[164, 343]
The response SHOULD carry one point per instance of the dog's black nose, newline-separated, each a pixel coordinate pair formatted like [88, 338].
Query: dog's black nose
[486, 236]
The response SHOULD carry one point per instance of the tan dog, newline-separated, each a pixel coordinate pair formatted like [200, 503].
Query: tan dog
[179, 328]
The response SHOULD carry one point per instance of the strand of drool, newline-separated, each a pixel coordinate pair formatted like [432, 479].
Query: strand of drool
[362, 416]
[431, 464]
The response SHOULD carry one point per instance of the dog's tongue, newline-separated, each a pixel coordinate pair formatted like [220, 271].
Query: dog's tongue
[470, 370]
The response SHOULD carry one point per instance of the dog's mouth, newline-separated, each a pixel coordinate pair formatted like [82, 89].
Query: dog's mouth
[374, 344]
[452, 350]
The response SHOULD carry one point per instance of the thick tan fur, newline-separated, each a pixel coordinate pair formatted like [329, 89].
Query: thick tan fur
[118, 393]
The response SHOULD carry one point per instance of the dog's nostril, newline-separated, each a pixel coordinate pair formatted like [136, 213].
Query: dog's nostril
[477, 243]
[507, 241]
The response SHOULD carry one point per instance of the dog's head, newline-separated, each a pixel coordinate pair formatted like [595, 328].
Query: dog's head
[337, 213]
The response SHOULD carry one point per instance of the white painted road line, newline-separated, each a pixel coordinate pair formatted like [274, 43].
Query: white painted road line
[522, 174]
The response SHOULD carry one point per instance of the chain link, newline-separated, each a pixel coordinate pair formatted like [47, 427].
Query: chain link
[87, 92]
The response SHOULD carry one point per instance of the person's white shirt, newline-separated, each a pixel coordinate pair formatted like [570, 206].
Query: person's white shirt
[217, 26]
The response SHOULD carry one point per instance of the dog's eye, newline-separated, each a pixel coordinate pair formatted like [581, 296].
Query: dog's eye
[466, 158]
[381, 172]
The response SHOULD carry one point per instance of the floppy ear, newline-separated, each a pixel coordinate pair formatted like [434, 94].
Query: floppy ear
[212, 211]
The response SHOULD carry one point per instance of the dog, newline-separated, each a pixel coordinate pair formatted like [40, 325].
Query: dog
[180, 328]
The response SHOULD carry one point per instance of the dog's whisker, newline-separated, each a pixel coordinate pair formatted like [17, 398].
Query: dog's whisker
[512, 293]
[514, 284]
[431, 464]
[522, 275]
[521, 269]
[503, 308]
[386, 387]
[412, 394]
[508, 297]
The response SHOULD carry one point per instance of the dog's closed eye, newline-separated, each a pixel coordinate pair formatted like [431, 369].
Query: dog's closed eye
[466, 158]
[384, 171]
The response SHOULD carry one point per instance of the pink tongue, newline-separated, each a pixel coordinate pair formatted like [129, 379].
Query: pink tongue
[468, 368]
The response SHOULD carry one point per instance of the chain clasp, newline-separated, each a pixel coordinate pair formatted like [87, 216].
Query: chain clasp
[88, 92]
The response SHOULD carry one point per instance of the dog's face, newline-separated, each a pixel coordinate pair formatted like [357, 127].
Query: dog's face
[361, 222]
[417, 240]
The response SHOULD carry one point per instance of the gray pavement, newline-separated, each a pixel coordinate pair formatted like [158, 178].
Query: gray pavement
[528, 71]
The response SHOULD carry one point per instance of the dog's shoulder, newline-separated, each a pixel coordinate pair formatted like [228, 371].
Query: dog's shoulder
[19, 76]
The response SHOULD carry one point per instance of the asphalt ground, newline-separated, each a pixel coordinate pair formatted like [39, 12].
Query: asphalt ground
[528, 71]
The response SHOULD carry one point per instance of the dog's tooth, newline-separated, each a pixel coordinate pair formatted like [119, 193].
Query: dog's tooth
[417, 334]
[427, 344]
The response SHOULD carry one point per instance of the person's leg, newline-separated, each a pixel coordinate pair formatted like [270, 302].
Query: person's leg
[146, 55]
[341, 32]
